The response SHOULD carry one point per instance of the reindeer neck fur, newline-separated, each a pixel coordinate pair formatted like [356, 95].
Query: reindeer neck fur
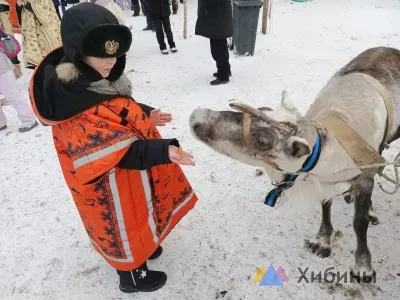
[360, 105]
[331, 176]
[354, 101]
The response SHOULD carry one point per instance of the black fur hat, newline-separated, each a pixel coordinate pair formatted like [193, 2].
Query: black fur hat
[88, 29]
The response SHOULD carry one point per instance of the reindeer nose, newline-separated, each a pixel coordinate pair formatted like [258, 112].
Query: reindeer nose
[199, 122]
[196, 127]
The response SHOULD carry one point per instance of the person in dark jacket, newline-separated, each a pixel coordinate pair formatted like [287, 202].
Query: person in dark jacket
[125, 179]
[160, 12]
[214, 21]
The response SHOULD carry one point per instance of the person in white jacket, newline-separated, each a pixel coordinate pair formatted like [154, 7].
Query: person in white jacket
[15, 97]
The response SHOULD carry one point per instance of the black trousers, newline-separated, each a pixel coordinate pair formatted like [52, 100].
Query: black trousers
[160, 23]
[220, 53]
[135, 6]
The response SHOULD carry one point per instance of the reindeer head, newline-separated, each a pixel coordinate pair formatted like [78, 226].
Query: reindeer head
[257, 136]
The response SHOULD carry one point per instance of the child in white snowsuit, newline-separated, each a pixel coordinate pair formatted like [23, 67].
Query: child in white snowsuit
[15, 97]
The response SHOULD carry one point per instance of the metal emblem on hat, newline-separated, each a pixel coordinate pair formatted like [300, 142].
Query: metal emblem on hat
[111, 47]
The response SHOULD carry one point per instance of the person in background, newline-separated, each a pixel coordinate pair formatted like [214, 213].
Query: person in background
[136, 8]
[146, 11]
[122, 3]
[64, 4]
[160, 12]
[174, 6]
[8, 87]
[5, 23]
[214, 22]
[57, 7]
[40, 26]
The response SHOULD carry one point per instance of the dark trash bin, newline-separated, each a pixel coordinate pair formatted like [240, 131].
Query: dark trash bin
[245, 23]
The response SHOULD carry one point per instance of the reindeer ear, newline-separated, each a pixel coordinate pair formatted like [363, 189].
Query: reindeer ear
[288, 105]
[297, 147]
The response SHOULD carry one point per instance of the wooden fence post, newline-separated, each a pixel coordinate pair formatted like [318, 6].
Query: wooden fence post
[185, 19]
[266, 15]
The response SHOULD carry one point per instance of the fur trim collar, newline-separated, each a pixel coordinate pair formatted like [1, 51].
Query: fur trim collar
[67, 72]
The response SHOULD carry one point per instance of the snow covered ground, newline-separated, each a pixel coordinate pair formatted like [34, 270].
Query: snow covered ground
[215, 251]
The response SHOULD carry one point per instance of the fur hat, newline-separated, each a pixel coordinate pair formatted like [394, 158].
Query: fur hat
[88, 29]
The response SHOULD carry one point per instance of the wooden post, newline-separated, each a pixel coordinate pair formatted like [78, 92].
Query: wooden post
[266, 16]
[185, 19]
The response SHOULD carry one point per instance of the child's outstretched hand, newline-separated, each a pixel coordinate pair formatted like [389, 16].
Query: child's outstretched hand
[178, 156]
[160, 118]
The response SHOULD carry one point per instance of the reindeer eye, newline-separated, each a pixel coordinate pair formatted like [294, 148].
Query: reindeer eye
[264, 139]
[260, 142]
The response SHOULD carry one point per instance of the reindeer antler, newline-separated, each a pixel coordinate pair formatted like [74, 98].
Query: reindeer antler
[250, 110]
[282, 126]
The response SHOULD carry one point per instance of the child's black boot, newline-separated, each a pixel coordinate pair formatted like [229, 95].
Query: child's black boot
[141, 280]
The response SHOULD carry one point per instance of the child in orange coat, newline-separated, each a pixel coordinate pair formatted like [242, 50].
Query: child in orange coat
[124, 177]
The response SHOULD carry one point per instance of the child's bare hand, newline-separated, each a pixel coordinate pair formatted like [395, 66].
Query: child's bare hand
[176, 155]
[160, 118]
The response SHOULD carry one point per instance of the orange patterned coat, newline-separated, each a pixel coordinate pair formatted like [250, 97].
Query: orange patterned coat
[126, 213]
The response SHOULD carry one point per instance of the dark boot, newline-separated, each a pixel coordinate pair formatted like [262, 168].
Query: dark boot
[219, 81]
[157, 253]
[216, 74]
[3, 127]
[141, 280]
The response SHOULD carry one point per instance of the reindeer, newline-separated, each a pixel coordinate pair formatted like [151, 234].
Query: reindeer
[353, 118]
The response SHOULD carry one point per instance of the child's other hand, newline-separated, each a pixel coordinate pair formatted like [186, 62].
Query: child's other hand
[160, 118]
[176, 155]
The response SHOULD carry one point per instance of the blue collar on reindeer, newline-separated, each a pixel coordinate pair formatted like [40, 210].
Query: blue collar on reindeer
[289, 180]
